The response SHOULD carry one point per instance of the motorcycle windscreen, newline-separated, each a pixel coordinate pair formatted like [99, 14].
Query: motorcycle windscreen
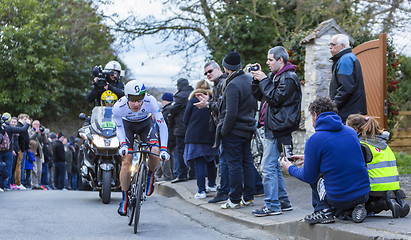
[102, 121]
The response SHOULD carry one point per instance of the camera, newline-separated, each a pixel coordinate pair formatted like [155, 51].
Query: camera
[3, 125]
[41, 129]
[254, 68]
[103, 76]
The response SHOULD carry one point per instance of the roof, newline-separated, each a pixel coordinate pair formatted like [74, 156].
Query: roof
[322, 29]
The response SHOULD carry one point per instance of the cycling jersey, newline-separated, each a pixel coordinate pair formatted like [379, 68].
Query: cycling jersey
[122, 113]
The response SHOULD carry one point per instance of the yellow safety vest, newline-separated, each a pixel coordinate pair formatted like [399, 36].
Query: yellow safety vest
[382, 169]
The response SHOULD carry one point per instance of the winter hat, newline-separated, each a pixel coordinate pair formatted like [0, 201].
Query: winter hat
[167, 96]
[60, 134]
[53, 136]
[232, 61]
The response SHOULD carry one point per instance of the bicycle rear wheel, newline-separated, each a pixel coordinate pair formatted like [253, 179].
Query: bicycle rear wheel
[142, 178]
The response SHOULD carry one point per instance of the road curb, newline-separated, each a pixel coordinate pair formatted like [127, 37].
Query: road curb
[300, 229]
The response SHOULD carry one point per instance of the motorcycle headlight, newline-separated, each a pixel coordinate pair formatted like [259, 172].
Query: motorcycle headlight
[102, 142]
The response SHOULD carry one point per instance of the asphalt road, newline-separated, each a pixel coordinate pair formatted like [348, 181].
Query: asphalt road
[37, 214]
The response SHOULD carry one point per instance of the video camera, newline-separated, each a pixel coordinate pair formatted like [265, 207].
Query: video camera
[103, 76]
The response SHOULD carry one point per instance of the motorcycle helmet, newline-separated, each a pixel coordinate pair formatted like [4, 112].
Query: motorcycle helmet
[113, 65]
[108, 98]
[135, 91]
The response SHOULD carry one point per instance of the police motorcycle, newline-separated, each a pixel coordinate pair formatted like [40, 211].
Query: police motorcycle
[100, 161]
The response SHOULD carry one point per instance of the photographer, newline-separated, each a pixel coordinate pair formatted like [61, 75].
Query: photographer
[281, 93]
[6, 153]
[108, 86]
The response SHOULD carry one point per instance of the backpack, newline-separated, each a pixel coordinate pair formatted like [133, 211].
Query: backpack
[5, 144]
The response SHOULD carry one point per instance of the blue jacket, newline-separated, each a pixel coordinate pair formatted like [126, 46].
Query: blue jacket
[335, 152]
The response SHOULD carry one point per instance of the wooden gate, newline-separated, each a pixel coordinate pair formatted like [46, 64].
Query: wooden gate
[373, 58]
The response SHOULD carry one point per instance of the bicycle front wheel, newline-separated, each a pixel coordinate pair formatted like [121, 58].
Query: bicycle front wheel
[142, 178]
[133, 195]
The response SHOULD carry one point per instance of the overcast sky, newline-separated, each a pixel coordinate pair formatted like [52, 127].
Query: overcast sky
[160, 71]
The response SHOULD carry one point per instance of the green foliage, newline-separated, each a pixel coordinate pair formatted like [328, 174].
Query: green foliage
[403, 94]
[47, 51]
[403, 162]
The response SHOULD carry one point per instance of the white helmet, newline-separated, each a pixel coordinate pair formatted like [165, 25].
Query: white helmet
[135, 88]
[113, 65]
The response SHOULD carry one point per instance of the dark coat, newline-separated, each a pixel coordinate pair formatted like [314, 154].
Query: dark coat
[282, 92]
[117, 87]
[24, 138]
[59, 153]
[197, 121]
[12, 130]
[179, 106]
[237, 108]
[347, 85]
[170, 125]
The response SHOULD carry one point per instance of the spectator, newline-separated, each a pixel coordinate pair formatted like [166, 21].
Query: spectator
[166, 168]
[15, 149]
[281, 92]
[199, 140]
[69, 164]
[28, 164]
[36, 133]
[177, 113]
[59, 157]
[53, 138]
[382, 167]
[47, 158]
[347, 84]
[6, 151]
[23, 147]
[339, 175]
[236, 127]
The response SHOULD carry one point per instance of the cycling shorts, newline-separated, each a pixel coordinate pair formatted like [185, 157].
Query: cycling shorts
[144, 129]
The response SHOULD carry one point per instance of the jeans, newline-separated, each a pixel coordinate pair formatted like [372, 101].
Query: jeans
[7, 158]
[23, 163]
[203, 169]
[274, 185]
[237, 152]
[59, 174]
[45, 175]
[3, 174]
[182, 167]
[224, 174]
[338, 207]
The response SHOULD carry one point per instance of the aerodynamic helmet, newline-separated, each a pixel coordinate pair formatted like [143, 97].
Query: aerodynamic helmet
[135, 91]
[113, 65]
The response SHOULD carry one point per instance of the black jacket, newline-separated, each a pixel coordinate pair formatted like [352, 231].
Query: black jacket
[59, 154]
[117, 87]
[237, 108]
[12, 130]
[283, 96]
[347, 84]
[179, 106]
[170, 125]
[24, 138]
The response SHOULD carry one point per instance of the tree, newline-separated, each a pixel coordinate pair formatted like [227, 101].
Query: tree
[47, 51]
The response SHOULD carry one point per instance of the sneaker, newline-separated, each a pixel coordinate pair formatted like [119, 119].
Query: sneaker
[200, 195]
[211, 189]
[150, 183]
[392, 204]
[21, 187]
[247, 203]
[264, 211]
[320, 216]
[122, 208]
[286, 207]
[400, 198]
[14, 187]
[43, 187]
[218, 198]
[359, 213]
[1, 190]
[230, 205]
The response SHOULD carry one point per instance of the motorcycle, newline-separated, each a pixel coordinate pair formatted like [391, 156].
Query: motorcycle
[100, 161]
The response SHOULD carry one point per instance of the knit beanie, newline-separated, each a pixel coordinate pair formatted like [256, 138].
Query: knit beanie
[232, 61]
[167, 97]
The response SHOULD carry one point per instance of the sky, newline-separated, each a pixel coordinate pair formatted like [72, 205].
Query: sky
[161, 71]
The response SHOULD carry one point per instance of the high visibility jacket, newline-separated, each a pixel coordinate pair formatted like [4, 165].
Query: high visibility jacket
[382, 169]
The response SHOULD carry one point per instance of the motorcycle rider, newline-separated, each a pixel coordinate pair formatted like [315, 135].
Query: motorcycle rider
[132, 115]
[113, 90]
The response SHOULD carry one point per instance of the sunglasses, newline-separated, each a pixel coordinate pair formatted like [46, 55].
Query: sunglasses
[332, 44]
[209, 71]
[136, 98]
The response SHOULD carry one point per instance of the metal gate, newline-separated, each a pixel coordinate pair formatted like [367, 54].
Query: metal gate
[373, 58]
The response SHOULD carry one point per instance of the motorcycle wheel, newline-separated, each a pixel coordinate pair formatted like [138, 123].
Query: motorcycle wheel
[133, 194]
[139, 199]
[106, 188]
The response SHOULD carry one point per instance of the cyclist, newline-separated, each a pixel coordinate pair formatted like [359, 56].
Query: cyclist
[113, 89]
[133, 115]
